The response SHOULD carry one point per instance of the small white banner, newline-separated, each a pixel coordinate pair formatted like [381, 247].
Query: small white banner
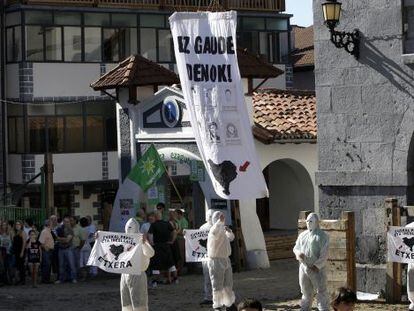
[400, 244]
[117, 252]
[206, 54]
[196, 245]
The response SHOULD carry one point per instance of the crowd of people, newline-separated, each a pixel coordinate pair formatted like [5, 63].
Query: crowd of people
[59, 250]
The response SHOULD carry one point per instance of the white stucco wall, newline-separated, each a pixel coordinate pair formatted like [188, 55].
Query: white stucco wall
[12, 81]
[305, 154]
[64, 79]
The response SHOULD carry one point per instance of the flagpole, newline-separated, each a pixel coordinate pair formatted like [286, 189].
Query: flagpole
[172, 182]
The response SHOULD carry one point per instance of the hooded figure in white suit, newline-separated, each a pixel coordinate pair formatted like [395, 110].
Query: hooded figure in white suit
[134, 292]
[311, 250]
[207, 283]
[219, 265]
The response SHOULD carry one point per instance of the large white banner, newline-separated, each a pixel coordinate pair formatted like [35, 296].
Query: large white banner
[117, 252]
[400, 244]
[205, 50]
[125, 204]
[196, 245]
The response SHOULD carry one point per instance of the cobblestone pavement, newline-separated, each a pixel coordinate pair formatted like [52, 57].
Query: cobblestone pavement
[276, 287]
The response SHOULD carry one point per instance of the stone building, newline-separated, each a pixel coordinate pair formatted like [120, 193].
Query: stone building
[365, 123]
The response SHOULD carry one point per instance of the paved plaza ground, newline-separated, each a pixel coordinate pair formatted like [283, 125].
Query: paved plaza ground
[276, 287]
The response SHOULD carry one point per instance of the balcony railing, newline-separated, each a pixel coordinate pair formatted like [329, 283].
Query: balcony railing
[176, 5]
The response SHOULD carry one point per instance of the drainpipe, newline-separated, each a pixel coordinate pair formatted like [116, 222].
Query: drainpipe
[3, 96]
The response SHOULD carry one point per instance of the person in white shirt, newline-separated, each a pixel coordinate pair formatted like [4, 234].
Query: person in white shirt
[208, 298]
[219, 265]
[134, 292]
[311, 250]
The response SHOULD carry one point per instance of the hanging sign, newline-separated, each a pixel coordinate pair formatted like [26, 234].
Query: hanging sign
[400, 244]
[196, 245]
[117, 252]
[205, 50]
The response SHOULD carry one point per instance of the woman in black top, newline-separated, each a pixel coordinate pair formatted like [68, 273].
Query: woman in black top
[34, 256]
[19, 246]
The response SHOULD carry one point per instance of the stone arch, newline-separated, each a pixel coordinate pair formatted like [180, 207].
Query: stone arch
[290, 191]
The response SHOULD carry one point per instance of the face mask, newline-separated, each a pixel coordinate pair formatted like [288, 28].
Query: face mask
[132, 226]
[312, 222]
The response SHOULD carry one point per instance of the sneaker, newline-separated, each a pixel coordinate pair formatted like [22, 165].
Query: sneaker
[58, 282]
[74, 281]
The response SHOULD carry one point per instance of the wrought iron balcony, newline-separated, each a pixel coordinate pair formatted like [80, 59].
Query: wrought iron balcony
[173, 5]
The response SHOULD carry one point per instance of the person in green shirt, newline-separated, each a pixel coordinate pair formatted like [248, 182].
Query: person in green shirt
[182, 223]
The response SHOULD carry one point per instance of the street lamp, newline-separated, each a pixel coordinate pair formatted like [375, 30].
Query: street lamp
[347, 40]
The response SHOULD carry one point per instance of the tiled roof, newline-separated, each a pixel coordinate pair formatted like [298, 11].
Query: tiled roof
[139, 71]
[284, 115]
[303, 54]
[252, 66]
[136, 71]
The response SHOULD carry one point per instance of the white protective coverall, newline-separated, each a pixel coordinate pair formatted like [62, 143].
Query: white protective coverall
[207, 283]
[134, 292]
[311, 250]
[410, 279]
[219, 265]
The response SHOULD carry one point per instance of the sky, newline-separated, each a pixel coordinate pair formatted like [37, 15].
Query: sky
[301, 10]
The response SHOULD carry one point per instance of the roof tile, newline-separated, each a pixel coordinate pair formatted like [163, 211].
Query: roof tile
[284, 115]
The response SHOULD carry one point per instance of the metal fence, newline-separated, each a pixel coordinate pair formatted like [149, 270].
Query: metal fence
[21, 213]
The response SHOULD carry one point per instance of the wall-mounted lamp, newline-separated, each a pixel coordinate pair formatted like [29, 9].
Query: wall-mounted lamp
[347, 40]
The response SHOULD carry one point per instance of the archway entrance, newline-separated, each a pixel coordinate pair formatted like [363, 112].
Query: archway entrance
[290, 191]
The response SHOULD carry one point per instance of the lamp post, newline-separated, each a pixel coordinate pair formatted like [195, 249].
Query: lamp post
[347, 40]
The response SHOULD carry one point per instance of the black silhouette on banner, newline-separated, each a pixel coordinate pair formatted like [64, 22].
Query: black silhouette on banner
[224, 173]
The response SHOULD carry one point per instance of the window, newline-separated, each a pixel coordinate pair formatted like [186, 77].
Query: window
[53, 38]
[110, 45]
[97, 19]
[128, 42]
[88, 37]
[165, 46]
[36, 134]
[55, 134]
[14, 44]
[74, 134]
[13, 19]
[152, 20]
[148, 43]
[39, 17]
[276, 24]
[86, 127]
[16, 134]
[67, 19]
[94, 133]
[34, 43]
[92, 44]
[72, 44]
[124, 20]
[253, 23]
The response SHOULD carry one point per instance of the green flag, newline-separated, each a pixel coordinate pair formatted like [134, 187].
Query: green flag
[148, 169]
